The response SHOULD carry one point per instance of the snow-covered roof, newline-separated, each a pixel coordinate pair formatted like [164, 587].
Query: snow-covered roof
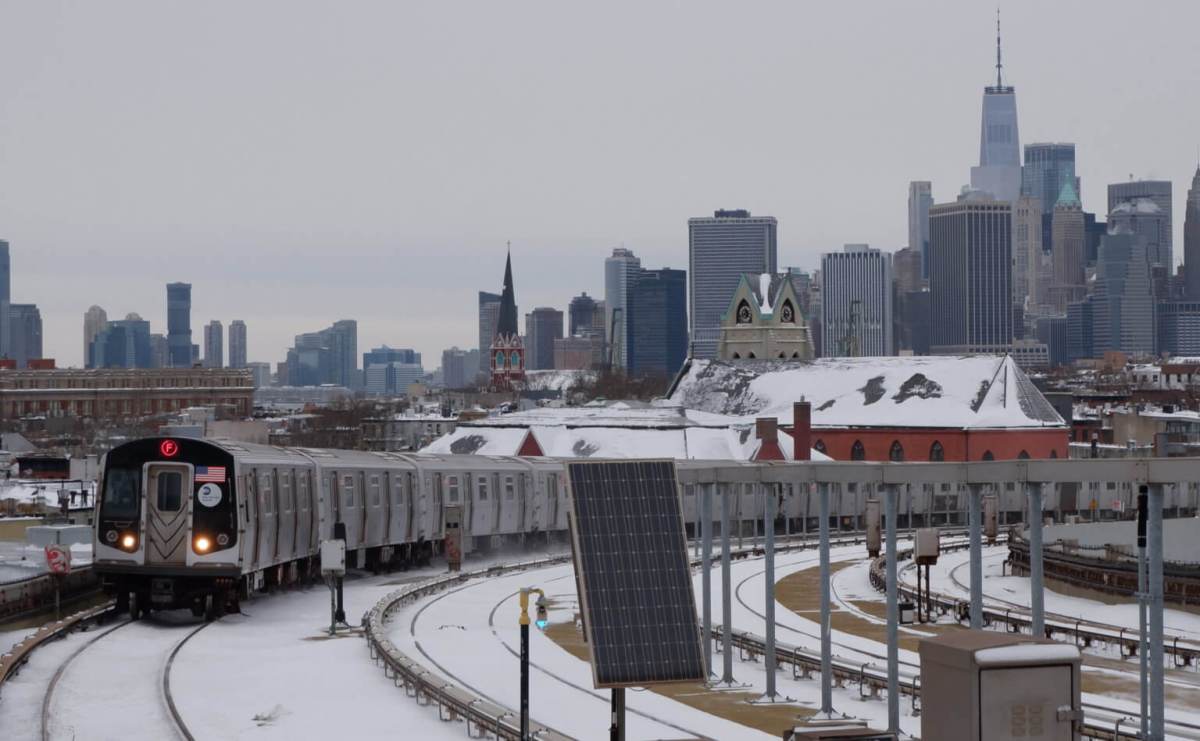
[975, 391]
[1136, 205]
[608, 414]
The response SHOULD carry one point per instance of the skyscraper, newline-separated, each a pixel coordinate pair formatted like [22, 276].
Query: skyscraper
[123, 343]
[179, 324]
[1048, 167]
[94, 322]
[214, 345]
[237, 344]
[970, 276]
[999, 170]
[906, 265]
[856, 302]
[489, 314]
[1066, 250]
[1123, 297]
[1191, 238]
[581, 315]
[1027, 254]
[620, 273]
[720, 249]
[1145, 217]
[543, 326]
[658, 323]
[25, 333]
[384, 354]
[455, 371]
[5, 299]
[1158, 191]
[920, 198]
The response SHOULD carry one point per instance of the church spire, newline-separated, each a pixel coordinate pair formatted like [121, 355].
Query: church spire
[507, 324]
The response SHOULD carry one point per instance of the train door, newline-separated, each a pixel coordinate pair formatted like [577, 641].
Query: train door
[348, 510]
[410, 494]
[396, 520]
[267, 518]
[288, 507]
[453, 494]
[376, 509]
[510, 510]
[303, 514]
[551, 501]
[480, 522]
[168, 512]
[249, 499]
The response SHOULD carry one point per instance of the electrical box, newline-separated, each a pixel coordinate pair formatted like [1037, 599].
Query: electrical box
[983, 686]
[991, 518]
[333, 557]
[873, 539]
[929, 545]
[452, 542]
[908, 613]
[836, 732]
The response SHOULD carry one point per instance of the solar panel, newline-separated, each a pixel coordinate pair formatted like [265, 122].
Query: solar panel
[631, 564]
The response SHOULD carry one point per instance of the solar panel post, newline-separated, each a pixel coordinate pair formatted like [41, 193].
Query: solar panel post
[706, 571]
[726, 596]
[616, 731]
[769, 536]
[826, 642]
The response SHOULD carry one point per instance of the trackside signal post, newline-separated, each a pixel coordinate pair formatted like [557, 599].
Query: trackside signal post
[541, 623]
[333, 566]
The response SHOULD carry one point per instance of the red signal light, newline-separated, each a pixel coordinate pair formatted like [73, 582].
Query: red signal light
[168, 448]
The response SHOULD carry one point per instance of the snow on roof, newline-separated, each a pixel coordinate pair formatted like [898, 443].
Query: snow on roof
[976, 391]
[555, 380]
[764, 293]
[1026, 653]
[1136, 205]
[610, 414]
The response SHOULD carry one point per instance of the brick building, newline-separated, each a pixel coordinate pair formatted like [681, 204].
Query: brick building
[123, 393]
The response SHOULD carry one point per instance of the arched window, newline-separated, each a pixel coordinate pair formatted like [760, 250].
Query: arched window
[744, 314]
[751, 356]
[787, 314]
[783, 356]
[896, 454]
[795, 356]
[936, 452]
[516, 359]
[857, 451]
[987, 456]
[1023, 455]
[819, 446]
[1053, 453]
[499, 358]
[737, 356]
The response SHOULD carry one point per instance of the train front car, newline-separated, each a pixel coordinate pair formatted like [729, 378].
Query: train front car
[166, 533]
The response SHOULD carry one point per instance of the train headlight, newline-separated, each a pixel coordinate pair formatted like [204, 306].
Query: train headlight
[222, 540]
[129, 542]
[202, 544]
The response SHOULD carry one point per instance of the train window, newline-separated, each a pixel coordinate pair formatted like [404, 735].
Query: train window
[121, 495]
[285, 492]
[302, 491]
[481, 488]
[375, 491]
[348, 490]
[169, 491]
[452, 489]
[510, 487]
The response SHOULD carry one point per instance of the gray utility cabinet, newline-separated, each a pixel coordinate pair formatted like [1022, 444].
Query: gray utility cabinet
[983, 686]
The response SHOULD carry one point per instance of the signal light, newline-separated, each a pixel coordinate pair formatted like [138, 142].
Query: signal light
[168, 448]
[542, 617]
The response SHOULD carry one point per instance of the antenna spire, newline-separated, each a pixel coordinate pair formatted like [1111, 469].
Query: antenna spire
[998, 64]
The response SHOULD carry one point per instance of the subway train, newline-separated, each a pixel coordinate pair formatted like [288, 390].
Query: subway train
[203, 524]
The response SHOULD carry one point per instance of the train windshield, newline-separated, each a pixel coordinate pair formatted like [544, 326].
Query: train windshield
[121, 493]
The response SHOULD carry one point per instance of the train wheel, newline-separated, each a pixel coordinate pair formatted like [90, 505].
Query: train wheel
[122, 602]
[214, 607]
[135, 606]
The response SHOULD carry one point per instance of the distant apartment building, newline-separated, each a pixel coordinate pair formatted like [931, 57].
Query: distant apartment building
[658, 323]
[456, 373]
[580, 352]
[160, 352]
[720, 249]
[391, 378]
[237, 344]
[856, 302]
[214, 345]
[94, 321]
[920, 200]
[5, 298]
[123, 343]
[489, 316]
[179, 325]
[970, 276]
[329, 356]
[620, 274]
[543, 326]
[25, 333]
[261, 372]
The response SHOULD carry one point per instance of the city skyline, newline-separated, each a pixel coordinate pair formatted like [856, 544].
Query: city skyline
[287, 257]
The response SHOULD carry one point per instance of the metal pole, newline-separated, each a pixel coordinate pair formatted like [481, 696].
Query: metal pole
[891, 494]
[616, 731]
[826, 642]
[1143, 637]
[726, 594]
[769, 534]
[706, 571]
[1154, 578]
[524, 680]
[1036, 584]
[974, 492]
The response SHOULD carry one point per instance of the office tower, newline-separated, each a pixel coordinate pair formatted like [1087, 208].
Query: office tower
[581, 314]
[1027, 253]
[1066, 250]
[920, 198]
[384, 354]
[906, 264]
[391, 378]
[856, 302]
[1191, 239]
[456, 370]
[1048, 167]
[160, 355]
[179, 324]
[237, 344]
[1159, 191]
[25, 333]
[543, 326]
[1145, 218]
[123, 343]
[489, 314]
[970, 276]
[507, 351]
[720, 249]
[261, 371]
[214, 345]
[620, 273]
[1052, 332]
[1081, 326]
[999, 170]
[94, 322]
[329, 356]
[658, 323]
[5, 299]
[1123, 296]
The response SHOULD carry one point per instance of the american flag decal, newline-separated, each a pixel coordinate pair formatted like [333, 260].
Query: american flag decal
[210, 474]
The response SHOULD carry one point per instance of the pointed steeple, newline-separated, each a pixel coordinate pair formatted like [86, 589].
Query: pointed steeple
[507, 324]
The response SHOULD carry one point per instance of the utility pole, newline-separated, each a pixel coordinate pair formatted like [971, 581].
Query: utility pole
[541, 623]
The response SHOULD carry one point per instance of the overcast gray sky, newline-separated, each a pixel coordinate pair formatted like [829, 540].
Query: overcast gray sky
[300, 162]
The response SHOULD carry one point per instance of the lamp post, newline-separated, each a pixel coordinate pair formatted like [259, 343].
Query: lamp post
[541, 623]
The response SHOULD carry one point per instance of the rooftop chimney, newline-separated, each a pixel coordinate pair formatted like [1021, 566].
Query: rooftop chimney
[802, 431]
[766, 429]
